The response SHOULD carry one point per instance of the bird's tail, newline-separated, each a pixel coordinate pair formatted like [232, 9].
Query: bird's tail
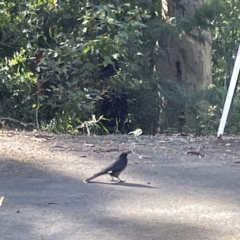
[94, 176]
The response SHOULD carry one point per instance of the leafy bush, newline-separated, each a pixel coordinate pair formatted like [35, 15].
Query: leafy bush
[63, 62]
[72, 53]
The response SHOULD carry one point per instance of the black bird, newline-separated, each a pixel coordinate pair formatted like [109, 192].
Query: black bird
[114, 169]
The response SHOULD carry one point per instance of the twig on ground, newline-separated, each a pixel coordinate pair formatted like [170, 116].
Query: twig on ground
[18, 121]
[199, 152]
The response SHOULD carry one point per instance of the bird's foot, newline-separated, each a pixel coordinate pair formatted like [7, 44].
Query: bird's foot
[121, 181]
[112, 180]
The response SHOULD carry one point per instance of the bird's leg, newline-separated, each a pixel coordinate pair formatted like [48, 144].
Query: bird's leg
[120, 179]
[112, 180]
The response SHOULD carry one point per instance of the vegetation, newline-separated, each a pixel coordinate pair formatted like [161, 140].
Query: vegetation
[70, 66]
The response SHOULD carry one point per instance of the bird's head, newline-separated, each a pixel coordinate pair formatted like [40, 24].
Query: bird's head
[124, 154]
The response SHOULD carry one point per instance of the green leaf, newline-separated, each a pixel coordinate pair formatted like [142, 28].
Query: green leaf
[107, 60]
[89, 66]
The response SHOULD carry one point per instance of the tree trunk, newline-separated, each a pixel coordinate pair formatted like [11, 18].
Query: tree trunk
[187, 60]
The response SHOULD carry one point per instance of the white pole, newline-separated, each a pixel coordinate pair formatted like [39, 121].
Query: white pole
[229, 94]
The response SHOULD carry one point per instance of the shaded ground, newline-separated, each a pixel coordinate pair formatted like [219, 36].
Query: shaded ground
[168, 194]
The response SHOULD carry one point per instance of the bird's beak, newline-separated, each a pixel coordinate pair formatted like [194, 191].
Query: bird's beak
[128, 152]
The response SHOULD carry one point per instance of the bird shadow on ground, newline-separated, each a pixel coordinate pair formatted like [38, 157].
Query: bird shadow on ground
[124, 184]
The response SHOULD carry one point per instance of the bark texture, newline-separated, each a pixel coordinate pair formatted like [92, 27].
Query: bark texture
[186, 60]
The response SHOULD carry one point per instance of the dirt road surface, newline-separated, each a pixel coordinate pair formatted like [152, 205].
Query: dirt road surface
[168, 194]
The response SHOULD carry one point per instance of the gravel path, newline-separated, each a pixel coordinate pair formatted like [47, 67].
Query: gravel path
[168, 194]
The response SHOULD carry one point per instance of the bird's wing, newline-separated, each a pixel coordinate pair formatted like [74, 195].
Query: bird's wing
[116, 166]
